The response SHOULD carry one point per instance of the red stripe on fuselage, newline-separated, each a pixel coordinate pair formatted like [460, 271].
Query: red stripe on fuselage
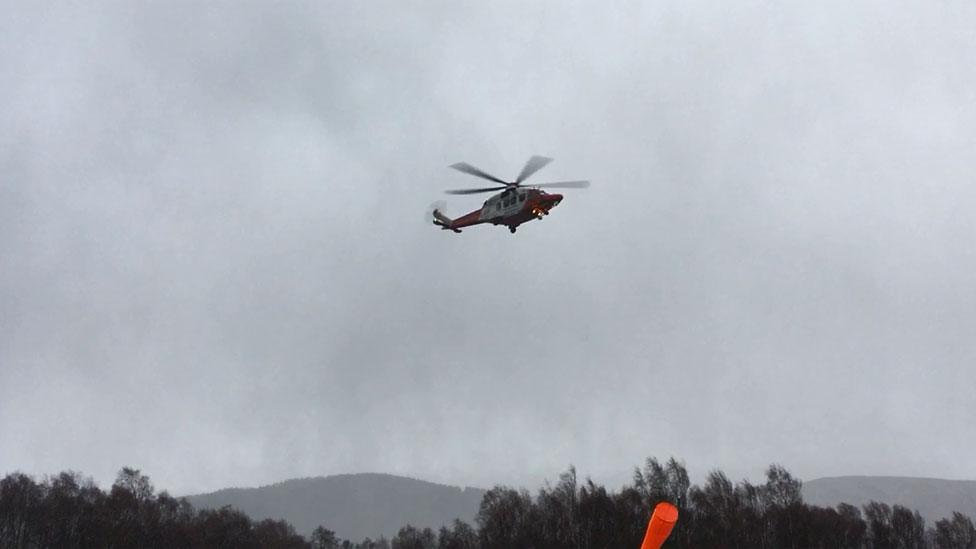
[467, 220]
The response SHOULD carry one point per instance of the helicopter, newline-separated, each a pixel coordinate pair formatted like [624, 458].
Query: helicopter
[516, 204]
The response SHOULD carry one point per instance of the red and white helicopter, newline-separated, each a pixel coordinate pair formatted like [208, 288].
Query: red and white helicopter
[514, 205]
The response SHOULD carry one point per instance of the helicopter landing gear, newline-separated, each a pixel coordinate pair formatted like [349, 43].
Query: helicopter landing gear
[511, 229]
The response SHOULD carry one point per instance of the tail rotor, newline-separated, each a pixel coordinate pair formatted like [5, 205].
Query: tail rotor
[436, 211]
[437, 206]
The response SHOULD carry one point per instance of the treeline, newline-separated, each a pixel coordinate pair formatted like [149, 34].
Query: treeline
[71, 511]
[717, 514]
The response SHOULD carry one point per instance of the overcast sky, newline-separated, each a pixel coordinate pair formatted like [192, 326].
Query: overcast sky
[215, 264]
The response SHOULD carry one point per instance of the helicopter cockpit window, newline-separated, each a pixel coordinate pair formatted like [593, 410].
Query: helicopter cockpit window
[521, 198]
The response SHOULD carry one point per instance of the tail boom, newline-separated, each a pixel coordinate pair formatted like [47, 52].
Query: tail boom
[444, 222]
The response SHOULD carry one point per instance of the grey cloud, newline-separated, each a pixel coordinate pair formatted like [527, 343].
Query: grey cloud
[214, 265]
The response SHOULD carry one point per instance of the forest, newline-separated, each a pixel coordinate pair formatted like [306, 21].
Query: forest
[69, 510]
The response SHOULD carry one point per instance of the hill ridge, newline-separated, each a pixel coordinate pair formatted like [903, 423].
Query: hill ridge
[354, 505]
[933, 498]
[370, 504]
[333, 476]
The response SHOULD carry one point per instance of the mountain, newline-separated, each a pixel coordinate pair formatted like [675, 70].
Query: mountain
[354, 506]
[933, 498]
[371, 505]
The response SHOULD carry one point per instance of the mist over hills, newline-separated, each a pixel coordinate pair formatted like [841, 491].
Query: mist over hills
[355, 506]
[933, 498]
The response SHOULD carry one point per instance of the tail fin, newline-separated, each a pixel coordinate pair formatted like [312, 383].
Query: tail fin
[443, 221]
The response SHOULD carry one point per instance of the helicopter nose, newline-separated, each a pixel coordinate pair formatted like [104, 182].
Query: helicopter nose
[554, 200]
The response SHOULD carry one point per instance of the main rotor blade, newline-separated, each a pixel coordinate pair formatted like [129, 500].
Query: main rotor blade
[469, 169]
[564, 184]
[476, 191]
[534, 164]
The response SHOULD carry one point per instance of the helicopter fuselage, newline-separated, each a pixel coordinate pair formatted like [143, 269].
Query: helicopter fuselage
[511, 208]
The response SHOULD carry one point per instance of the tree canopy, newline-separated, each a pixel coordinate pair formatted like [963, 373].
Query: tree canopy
[69, 510]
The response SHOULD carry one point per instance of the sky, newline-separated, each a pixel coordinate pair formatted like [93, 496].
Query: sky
[216, 265]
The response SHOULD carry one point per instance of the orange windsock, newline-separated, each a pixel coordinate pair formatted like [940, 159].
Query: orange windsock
[660, 525]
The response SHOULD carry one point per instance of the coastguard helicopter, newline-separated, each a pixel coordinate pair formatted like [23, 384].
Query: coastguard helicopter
[513, 206]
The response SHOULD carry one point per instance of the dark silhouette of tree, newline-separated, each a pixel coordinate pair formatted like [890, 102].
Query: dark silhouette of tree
[412, 538]
[781, 489]
[323, 538]
[69, 510]
[717, 510]
[668, 482]
[381, 543]
[652, 482]
[277, 534]
[135, 484]
[786, 515]
[878, 517]
[854, 529]
[21, 502]
[225, 528]
[506, 519]
[631, 515]
[64, 509]
[558, 513]
[753, 514]
[907, 528]
[460, 536]
[600, 524]
[957, 533]
[677, 482]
